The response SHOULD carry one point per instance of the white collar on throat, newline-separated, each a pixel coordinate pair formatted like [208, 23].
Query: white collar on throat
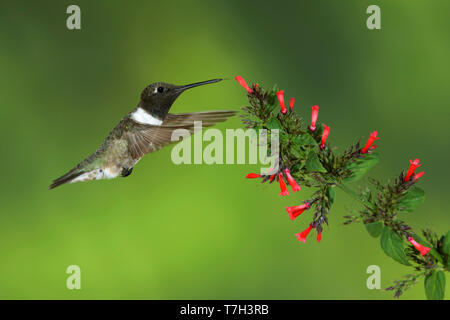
[142, 116]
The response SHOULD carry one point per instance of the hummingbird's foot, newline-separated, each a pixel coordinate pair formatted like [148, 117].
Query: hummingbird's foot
[126, 171]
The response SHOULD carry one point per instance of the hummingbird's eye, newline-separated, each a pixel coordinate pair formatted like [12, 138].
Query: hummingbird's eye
[160, 89]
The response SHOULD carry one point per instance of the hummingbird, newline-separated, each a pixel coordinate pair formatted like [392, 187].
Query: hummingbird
[146, 129]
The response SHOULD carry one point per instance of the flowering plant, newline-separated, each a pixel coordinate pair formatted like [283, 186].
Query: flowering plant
[307, 159]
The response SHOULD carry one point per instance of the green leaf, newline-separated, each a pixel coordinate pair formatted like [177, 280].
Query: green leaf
[392, 245]
[297, 152]
[313, 163]
[273, 123]
[361, 166]
[374, 228]
[284, 138]
[331, 195]
[446, 249]
[411, 199]
[446, 244]
[304, 139]
[435, 285]
[298, 166]
[425, 243]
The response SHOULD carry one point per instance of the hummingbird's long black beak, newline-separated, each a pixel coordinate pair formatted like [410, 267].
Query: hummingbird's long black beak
[192, 85]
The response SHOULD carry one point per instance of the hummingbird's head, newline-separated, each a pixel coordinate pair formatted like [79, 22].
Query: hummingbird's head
[158, 97]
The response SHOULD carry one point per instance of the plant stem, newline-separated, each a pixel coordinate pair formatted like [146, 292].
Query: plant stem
[353, 194]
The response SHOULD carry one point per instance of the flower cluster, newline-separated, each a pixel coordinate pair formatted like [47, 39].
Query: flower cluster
[284, 174]
[307, 159]
[317, 156]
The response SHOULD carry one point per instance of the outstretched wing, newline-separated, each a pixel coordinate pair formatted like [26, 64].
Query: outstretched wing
[208, 118]
[143, 138]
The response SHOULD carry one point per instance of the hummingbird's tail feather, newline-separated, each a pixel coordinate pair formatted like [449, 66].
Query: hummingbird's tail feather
[66, 178]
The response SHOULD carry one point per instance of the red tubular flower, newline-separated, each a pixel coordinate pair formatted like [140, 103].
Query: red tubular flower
[422, 249]
[252, 176]
[372, 138]
[243, 84]
[315, 114]
[319, 237]
[292, 182]
[284, 190]
[417, 176]
[280, 95]
[413, 165]
[272, 177]
[302, 235]
[291, 104]
[325, 133]
[295, 211]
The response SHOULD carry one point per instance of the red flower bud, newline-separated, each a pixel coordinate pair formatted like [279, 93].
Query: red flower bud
[284, 190]
[252, 176]
[422, 249]
[243, 84]
[325, 133]
[315, 114]
[413, 165]
[319, 237]
[417, 176]
[302, 235]
[272, 177]
[281, 101]
[292, 182]
[372, 138]
[295, 211]
[291, 103]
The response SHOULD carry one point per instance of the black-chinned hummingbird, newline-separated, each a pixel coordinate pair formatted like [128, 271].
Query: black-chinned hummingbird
[147, 128]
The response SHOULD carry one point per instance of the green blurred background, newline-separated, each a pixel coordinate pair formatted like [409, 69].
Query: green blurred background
[199, 231]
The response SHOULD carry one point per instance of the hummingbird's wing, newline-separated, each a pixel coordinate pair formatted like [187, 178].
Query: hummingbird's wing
[143, 138]
[208, 118]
